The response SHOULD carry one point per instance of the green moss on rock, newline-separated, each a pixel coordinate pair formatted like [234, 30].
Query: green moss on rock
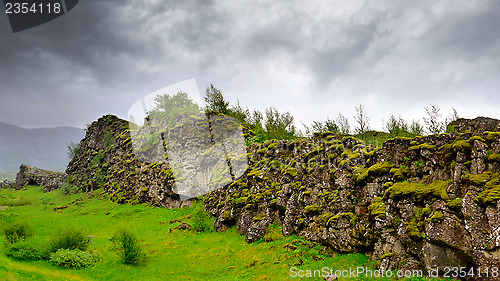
[422, 146]
[259, 217]
[377, 208]
[455, 204]
[312, 209]
[435, 189]
[375, 170]
[461, 145]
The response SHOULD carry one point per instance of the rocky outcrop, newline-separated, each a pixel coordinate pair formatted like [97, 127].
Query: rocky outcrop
[29, 175]
[479, 124]
[423, 203]
[7, 185]
[106, 159]
[135, 166]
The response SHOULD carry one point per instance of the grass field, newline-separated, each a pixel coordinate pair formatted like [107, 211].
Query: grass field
[171, 255]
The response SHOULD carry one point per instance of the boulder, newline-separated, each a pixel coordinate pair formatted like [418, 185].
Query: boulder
[29, 175]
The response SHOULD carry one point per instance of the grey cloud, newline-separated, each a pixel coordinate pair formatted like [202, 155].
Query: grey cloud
[104, 55]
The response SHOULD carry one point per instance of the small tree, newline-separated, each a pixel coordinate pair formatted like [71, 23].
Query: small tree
[240, 113]
[362, 120]
[397, 126]
[343, 123]
[131, 250]
[215, 100]
[279, 125]
[452, 117]
[173, 107]
[434, 126]
[72, 150]
[416, 128]
[327, 126]
[256, 118]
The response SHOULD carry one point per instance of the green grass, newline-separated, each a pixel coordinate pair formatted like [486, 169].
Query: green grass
[170, 255]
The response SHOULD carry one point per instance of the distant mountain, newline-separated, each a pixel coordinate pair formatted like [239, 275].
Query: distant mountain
[46, 148]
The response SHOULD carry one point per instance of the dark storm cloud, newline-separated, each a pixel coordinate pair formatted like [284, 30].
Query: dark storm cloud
[104, 55]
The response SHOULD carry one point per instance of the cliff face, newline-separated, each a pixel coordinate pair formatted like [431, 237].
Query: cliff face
[106, 159]
[157, 163]
[415, 203]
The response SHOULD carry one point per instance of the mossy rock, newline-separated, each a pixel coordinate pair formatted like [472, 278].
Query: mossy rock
[437, 216]
[415, 228]
[291, 171]
[336, 147]
[492, 136]
[400, 173]
[422, 147]
[481, 179]
[377, 208]
[326, 217]
[478, 138]
[349, 215]
[312, 209]
[239, 202]
[455, 204]
[273, 146]
[435, 189]
[491, 192]
[386, 255]
[259, 217]
[494, 157]
[375, 170]
[255, 173]
[461, 145]
[388, 184]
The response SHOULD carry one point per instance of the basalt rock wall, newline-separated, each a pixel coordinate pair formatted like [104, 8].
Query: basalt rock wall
[423, 203]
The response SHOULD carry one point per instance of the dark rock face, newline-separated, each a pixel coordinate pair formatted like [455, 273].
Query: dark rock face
[105, 159]
[424, 203]
[479, 124]
[134, 166]
[29, 175]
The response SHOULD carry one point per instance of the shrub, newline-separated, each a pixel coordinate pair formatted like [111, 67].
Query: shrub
[27, 251]
[273, 233]
[17, 232]
[75, 258]
[70, 239]
[131, 251]
[202, 222]
[20, 201]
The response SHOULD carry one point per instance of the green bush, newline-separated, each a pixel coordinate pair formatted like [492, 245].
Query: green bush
[131, 251]
[70, 239]
[202, 222]
[75, 258]
[17, 232]
[27, 251]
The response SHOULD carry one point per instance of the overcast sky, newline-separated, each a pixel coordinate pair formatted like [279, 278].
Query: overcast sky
[314, 60]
